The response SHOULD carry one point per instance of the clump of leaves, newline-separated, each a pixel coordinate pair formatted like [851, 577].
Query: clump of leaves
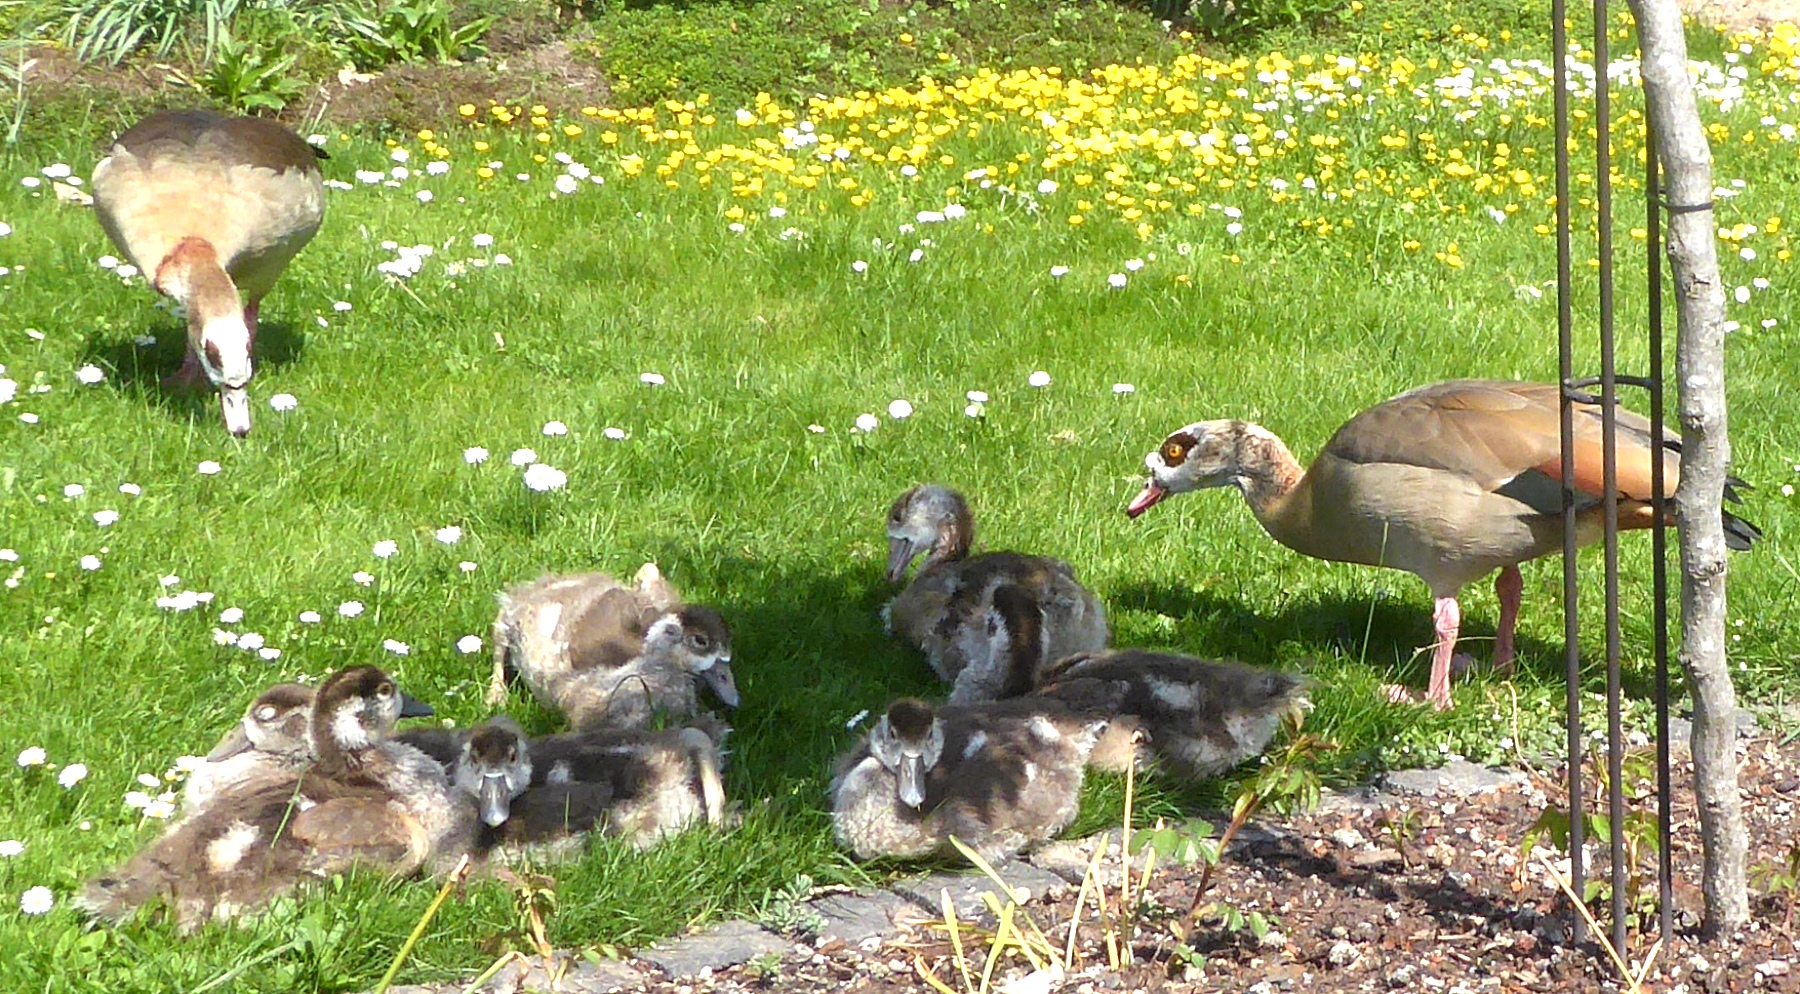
[1642, 836]
[1782, 879]
[785, 910]
[408, 31]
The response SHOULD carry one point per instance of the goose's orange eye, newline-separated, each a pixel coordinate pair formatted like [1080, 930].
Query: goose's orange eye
[1173, 452]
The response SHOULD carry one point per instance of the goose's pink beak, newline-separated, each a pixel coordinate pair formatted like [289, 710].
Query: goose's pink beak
[234, 403]
[1152, 493]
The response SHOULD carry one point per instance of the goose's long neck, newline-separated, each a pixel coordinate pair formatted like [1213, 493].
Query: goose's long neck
[194, 275]
[1274, 485]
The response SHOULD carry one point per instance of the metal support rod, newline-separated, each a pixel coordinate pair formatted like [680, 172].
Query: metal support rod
[1559, 40]
[1609, 461]
[1659, 541]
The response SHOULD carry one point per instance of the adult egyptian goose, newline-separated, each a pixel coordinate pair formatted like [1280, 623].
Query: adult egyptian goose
[609, 656]
[943, 611]
[211, 209]
[1450, 481]
[997, 781]
[271, 740]
[363, 801]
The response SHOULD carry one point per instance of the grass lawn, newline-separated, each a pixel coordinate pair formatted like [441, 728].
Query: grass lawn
[1288, 238]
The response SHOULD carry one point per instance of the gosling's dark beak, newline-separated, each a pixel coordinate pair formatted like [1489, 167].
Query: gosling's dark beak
[900, 556]
[495, 799]
[234, 742]
[718, 677]
[412, 707]
[912, 781]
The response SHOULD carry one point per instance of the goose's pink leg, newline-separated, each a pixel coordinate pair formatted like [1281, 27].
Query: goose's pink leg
[250, 311]
[1509, 587]
[188, 376]
[1446, 619]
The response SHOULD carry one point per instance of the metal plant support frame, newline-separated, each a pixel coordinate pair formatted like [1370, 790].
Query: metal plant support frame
[1574, 389]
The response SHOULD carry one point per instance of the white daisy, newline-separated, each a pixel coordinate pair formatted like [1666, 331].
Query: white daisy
[543, 478]
[523, 457]
[386, 548]
[468, 644]
[1039, 379]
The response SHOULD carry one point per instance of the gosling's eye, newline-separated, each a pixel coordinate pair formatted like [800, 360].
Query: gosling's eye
[384, 691]
[699, 641]
[1173, 452]
[265, 713]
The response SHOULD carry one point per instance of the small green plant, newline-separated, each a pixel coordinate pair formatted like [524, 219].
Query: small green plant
[249, 75]
[1782, 879]
[785, 909]
[766, 967]
[113, 29]
[13, 66]
[1400, 826]
[1642, 836]
[410, 31]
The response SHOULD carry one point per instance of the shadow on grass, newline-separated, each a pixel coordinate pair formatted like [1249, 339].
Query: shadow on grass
[1396, 629]
[139, 370]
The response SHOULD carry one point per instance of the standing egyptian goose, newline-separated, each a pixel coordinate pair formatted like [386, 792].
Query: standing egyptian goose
[365, 800]
[1450, 481]
[610, 656]
[943, 611]
[212, 209]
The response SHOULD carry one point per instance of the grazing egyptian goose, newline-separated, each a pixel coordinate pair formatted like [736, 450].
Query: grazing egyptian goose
[269, 741]
[943, 611]
[611, 657]
[211, 209]
[1450, 481]
[364, 801]
[998, 782]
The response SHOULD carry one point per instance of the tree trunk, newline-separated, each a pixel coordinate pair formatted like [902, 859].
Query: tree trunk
[1705, 452]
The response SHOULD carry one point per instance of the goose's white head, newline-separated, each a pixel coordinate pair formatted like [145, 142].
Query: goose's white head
[218, 333]
[1204, 454]
[697, 638]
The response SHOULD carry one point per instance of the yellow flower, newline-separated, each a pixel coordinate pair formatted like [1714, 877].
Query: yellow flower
[466, 110]
[1076, 219]
[906, 38]
[484, 172]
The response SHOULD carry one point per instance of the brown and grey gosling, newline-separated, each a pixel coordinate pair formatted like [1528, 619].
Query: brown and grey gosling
[1202, 716]
[641, 786]
[1450, 481]
[998, 782]
[943, 610]
[211, 209]
[364, 801]
[270, 741]
[609, 656]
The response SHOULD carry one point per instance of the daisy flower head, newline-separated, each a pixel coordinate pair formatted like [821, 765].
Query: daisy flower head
[90, 563]
[386, 548]
[616, 434]
[363, 577]
[466, 566]
[651, 379]
[468, 644]
[105, 518]
[284, 402]
[867, 422]
[71, 775]
[523, 457]
[1117, 281]
[449, 534]
[10, 848]
[350, 609]
[543, 478]
[37, 901]
[1058, 272]
[553, 429]
[90, 374]
[74, 490]
[1039, 379]
[396, 647]
[32, 756]
[208, 468]
[900, 410]
[309, 617]
[1123, 388]
[231, 616]
[475, 455]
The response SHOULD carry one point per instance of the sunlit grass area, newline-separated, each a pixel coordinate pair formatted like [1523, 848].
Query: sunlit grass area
[706, 317]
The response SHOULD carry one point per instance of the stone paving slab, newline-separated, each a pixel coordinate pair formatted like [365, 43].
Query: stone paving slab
[966, 888]
[715, 948]
[1458, 777]
[856, 918]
